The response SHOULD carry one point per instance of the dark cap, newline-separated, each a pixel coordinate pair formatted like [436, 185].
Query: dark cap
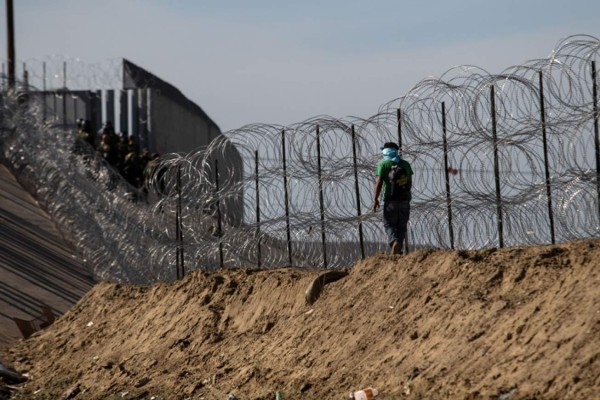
[390, 145]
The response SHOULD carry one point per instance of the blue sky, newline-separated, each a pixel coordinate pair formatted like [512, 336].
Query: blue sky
[281, 62]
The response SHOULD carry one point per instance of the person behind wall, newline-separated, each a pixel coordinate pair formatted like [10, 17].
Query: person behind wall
[122, 152]
[394, 175]
[85, 132]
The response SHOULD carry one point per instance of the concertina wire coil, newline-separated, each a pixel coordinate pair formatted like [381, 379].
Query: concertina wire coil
[318, 198]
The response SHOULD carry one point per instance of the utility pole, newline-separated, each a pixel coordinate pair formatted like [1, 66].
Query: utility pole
[10, 27]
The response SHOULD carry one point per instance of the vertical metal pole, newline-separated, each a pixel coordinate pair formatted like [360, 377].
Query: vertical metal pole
[399, 119]
[447, 173]
[180, 237]
[496, 169]
[546, 167]
[177, 233]
[178, 224]
[219, 227]
[357, 190]
[322, 206]
[596, 135]
[287, 207]
[10, 45]
[258, 254]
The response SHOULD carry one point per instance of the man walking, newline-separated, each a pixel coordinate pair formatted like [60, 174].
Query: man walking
[394, 175]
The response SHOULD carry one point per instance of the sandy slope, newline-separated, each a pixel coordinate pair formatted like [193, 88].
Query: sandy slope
[37, 265]
[517, 323]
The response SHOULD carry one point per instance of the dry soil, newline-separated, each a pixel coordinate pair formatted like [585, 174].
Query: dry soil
[506, 324]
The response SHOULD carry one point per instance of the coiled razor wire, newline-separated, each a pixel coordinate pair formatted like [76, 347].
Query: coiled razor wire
[498, 162]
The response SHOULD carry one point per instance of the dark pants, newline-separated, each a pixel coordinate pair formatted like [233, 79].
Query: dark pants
[395, 219]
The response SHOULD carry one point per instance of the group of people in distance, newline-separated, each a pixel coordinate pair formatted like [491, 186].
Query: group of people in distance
[118, 150]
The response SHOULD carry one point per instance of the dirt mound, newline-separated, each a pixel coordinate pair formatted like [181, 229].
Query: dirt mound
[517, 323]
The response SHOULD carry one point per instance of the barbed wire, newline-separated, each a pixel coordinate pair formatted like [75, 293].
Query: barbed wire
[303, 181]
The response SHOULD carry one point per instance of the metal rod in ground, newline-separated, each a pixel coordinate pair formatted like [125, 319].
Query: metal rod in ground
[258, 255]
[287, 205]
[177, 273]
[546, 165]
[596, 135]
[496, 168]
[181, 255]
[357, 190]
[219, 226]
[321, 202]
[447, 173]
[399, 119]
[178, 226]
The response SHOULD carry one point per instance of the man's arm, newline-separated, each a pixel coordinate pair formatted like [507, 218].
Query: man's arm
[378, 186]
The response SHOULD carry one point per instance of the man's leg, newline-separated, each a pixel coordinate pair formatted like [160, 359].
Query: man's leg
[403, 217]
[391, 221]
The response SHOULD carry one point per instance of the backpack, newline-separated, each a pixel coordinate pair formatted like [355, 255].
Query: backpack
[399, 183]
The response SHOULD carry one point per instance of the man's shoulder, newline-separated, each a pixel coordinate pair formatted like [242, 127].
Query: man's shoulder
[383, 165]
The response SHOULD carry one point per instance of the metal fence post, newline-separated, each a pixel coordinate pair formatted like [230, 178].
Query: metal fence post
[178, 228]
[546, 166]
[399, 124]
[321, 205]
[219, 226]
[357, 190]
[447, 174]
[177, 275]
[399, 119]
[496, 168]
[258, 255]
[287, 207]
[596, 135]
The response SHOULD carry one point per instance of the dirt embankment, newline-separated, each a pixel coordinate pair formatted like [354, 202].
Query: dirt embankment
[517, 323]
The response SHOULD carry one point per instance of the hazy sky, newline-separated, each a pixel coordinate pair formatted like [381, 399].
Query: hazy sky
[284, 61]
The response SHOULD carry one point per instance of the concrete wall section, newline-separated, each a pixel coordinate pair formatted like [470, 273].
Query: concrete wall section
[176, 129]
